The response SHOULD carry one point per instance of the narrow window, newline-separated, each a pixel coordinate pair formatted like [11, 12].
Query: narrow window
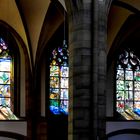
[59, 77]
[6, 82]
[128, 85]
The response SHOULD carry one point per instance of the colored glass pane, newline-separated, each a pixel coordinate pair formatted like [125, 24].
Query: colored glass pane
[120, 106]
[54, 71]
[64, 83]
[59, 73]
[54, 82]
[137, 96]
[137, 85]
[128, 85]
[5, 90]
[64, 106]
[64, 71]
[120, 85]
[128, 75]
[64, 94]
[120, 95]
[5, 64]
[54, 93]
[120, 74]
[4, 78]
[54, 106]
[137, 75]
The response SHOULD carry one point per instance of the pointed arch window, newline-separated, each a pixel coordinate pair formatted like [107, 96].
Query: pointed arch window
[128, 85]
[6, 82]
[59, 77]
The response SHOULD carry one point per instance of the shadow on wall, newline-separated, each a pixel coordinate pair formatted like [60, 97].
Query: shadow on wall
[125, 137]
[125, 134]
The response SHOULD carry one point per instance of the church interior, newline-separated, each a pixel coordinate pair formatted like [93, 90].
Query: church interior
[69, 69]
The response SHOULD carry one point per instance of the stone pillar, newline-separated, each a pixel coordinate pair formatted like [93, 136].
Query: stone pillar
[99, 68]
[79, 13]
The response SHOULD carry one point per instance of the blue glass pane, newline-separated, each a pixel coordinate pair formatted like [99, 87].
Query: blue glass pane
[54, 106]
[64, 106]
[137, 111]
[64, 71]
[5, 91]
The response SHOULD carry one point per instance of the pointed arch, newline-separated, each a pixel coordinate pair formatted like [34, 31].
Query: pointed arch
[22, 72]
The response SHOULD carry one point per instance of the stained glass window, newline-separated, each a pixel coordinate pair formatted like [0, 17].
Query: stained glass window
[128, 85]
[6, 82]
[59, 80]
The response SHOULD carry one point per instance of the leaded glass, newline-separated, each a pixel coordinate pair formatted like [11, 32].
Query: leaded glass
[64, 94]
[120, 74]
[128, 85]
[59, 80]
[54, 71]
[6, 76]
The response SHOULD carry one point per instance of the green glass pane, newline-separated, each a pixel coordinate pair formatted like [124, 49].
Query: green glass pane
[54, 103]
[120, 85]
[137, 76]
[4, 78]
[54, 71]
[120, 95]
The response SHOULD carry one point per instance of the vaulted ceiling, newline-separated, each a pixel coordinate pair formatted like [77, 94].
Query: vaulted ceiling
[119, 12]
[26, 17]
